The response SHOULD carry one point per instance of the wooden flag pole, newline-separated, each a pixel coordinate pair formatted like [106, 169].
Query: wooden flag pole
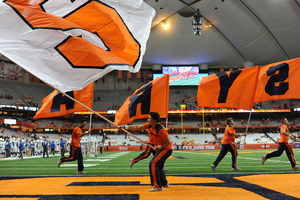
[105, 119]
[248, 124]
[203, 121]
[90, 127]
[167, 123]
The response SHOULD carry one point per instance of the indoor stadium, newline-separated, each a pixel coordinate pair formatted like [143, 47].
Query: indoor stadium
[82, 83]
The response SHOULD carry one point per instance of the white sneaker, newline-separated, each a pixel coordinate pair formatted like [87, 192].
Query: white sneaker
[213, 167]
[156, 189]
[166, 186]
[131, 163]
[263, 159]
[165, 170]
[81, 172]
[59, 162]
[236, 169]
[296, 167]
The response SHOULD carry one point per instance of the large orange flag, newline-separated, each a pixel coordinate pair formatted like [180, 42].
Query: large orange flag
[56, 104]
[230, 89]
[152, 97]
[279, 80]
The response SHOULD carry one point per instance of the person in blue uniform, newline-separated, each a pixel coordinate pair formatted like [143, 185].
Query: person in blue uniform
[21, 148]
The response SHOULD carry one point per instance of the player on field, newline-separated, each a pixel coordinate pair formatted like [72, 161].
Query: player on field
[148, 150]
[283, 145]
[145, 154]
[159, 137]
[228, 145]
[75, 148]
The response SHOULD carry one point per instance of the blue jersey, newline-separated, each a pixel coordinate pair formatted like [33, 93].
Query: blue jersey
[45, 143]
[62, 143]
[52, 145]
[21, 145]
[7, 144]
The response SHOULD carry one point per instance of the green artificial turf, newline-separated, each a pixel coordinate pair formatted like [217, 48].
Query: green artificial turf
[117, 163]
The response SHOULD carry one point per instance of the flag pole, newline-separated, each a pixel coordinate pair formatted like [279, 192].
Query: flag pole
[248, 124]
[167, 123]
[104, 118]
[203, 122]
[248, 121]
[90, 127]
[181, 124]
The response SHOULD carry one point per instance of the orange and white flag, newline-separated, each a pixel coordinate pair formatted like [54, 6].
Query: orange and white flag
[152, 97]
[70, 44]
[56, 104]
[230, 89]
[279, 80]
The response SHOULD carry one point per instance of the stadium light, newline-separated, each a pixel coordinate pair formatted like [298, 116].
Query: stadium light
[197, 23]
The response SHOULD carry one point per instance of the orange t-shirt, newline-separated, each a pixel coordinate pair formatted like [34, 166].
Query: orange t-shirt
[228, 135]
[75, 138]
[150, 136]
[284, 138]
[157, 134]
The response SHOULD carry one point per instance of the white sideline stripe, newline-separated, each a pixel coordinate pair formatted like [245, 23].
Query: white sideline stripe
[240, 157]
[115, 155]
[269, 160]
[109, 156]
[75, 165]
[97, 160]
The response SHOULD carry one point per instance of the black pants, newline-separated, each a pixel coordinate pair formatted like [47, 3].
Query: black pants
[145, 154]
[62, 151]
[281, 148]
[156, 168]
[75, 154]
[7, 152]
[45, 152]
[224, 150]
[52, 151]
[32, 151]
[21, 153]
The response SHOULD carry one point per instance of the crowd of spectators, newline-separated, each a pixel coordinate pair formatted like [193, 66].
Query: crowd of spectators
[114, 107]
[7, 96]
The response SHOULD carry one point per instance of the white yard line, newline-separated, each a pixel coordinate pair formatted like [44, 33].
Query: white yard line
[239, 157]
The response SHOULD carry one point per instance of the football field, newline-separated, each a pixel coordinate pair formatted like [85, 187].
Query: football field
[190, 176]
[187, 81]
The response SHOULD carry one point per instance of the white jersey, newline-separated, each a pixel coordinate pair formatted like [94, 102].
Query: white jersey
[39, 146]
[2, 147]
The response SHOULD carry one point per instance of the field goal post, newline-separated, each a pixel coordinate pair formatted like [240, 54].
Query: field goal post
[182, 106]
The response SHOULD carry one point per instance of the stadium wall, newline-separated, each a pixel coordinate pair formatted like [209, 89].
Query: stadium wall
[201, 147]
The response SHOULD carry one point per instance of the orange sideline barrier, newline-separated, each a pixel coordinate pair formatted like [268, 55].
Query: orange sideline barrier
[124, 148]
